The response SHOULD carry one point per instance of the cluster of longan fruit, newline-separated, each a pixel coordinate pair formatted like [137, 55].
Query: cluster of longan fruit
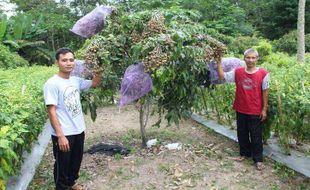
[92, 60]
[155, 59]
[155, 26]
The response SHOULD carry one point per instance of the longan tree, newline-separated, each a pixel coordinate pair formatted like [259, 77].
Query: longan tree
[174, 50]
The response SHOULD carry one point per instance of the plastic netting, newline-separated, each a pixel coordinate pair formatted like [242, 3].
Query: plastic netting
[80, 69]
[228, 64]
[135, 84]
[93, 22]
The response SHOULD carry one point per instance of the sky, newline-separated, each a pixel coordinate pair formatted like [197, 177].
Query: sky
[7, 8]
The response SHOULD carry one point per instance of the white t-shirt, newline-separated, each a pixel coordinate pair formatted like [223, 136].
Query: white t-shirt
[65, 95]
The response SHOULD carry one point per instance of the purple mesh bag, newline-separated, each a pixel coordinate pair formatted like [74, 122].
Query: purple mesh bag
[228, 64]
[92, 23]
[80, 69]
[135, 84]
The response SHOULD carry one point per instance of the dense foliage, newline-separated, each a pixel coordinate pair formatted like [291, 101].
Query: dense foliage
[10, 60]
[22, 115]
[225, 17]
[19, 33]
[273, 18]
[288, 43]
[173, 47]
[288, 113]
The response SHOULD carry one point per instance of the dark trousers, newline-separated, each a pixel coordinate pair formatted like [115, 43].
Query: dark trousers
[249, 131]
[67, 164]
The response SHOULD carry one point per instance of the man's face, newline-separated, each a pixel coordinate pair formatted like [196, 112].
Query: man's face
[66, 62]
[250, 60]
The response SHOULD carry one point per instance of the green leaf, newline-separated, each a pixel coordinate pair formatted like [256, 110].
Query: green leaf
[18, 29]
[19, 140]
[4, 143]
[3, 26]
[93, 111]
[13, 136]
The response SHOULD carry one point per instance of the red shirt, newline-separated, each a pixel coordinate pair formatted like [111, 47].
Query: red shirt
[249, 98]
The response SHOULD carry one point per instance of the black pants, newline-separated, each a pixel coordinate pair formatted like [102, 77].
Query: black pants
[67, 164]
[249, 131]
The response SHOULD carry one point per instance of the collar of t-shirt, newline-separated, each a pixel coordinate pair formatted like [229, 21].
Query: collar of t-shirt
[252, 71]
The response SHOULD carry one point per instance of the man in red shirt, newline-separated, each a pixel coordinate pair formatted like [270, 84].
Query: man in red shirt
[251, 101]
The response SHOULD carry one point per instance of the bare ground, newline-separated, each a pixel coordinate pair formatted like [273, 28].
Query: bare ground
[204, 162]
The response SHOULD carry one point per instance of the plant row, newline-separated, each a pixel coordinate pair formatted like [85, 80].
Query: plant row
[289, 100]
[22, 115]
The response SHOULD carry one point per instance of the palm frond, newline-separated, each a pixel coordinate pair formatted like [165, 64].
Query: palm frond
[27, 44]
[12, 43]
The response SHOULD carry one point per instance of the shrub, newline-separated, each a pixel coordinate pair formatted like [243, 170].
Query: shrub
[241, 43]
[10, 60]
[288, 105]
[288, 43]
[221, 37]
[22, 115]
[264, 49]
[280, 60]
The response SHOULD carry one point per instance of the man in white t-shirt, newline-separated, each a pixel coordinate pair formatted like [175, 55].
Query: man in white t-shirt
[62, 98]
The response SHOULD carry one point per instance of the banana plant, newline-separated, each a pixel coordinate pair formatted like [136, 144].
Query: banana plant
[3, 26]
[24, 27]
[19, 35]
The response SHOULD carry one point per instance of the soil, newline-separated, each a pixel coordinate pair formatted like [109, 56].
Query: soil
[204, 162]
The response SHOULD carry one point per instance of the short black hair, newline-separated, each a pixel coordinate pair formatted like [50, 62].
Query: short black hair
[63, 50]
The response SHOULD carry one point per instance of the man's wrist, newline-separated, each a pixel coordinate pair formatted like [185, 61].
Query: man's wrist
[60, 135]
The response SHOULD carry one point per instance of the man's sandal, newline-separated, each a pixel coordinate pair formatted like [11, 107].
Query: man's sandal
[240, 158]
[77, 187]
[260, 166]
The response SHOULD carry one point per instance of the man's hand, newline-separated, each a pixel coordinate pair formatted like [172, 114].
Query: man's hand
[96, 79]
[63, 144]
[220, 71]
[263, 115]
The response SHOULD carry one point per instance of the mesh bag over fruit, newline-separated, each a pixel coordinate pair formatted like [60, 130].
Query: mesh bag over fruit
[135, 84]
[80, 69]
[93, 22]
[228, 64]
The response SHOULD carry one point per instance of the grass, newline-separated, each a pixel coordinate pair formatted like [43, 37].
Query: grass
[224, 188]
[227, 164]
[84, 176]
[119, 171]
[283, 171]
[193, 176]
[118, 156]
[45, 178]
[165, 168]
[139, 161]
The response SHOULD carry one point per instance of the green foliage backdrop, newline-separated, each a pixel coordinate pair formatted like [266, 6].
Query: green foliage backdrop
[22, 115]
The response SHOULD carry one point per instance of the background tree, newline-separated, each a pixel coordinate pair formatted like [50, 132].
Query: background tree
[174, 49]
[301, 32]
[82, 7]
[276, 17]
[57, 20]
[224, 16]
[31, 4]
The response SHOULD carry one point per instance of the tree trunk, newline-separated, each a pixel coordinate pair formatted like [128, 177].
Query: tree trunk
[53, 42]
[142, 127]
[64, 39]
[144, 116]
[301, 32]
